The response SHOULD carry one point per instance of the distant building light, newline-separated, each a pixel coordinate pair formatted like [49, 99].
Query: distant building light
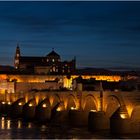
[53, 69]
[116, 90]
[2, 118]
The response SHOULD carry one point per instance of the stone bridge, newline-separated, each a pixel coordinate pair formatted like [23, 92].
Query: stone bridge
[78, 100]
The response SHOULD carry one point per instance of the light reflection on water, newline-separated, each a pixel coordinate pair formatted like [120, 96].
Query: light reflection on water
[18, 129]
[19, 124]
[2, 123]
[8, 124]
[29, 125]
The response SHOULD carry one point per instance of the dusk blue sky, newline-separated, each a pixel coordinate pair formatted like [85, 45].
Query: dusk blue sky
[99, 34]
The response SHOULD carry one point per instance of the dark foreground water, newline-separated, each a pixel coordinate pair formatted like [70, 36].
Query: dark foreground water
[18, 129]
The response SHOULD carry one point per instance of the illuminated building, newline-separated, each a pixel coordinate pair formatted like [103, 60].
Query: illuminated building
[50, 64]
[50, 73]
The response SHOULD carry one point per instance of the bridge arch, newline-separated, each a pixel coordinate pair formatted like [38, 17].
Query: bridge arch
[17, 107]
[54, 100]
[89, 103]
[45, 101]
[71, 101]
[19, 101]
[135, 113]
[112, 104]
[32, 102]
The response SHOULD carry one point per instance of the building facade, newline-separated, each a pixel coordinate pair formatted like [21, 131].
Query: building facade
[49, 64]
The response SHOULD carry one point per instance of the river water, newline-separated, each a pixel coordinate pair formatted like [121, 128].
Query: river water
[18, 129]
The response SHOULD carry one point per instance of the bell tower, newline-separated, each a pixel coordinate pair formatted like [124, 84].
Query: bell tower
[17, 55]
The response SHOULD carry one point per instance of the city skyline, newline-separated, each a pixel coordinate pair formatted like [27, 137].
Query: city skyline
[99, 34]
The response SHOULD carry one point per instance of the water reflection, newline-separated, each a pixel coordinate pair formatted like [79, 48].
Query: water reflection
[5, 124]
[18, 129]
[43, 128]
[19, 124]
[29, 125]
[8, 124]
[2, 123]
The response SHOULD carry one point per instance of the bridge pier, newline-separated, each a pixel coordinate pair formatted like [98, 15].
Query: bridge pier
[16, 108]
[61, 117]
[5, 108]
[98, 121]
[120, 123]
[78, 117]
[43, 112]
[29, 110]
[59, 114]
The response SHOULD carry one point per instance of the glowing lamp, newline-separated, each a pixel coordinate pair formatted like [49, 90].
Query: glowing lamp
[123, 116]
[73, 108]
[44, 105]
[19, 103]
[58, 109]
[3, 103]
[30, 104]
[9, 103]
[93, 111]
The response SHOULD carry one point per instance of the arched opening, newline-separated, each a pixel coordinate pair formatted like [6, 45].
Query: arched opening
[19, 102]
[29, 109]
[17, 107]
[89, 103]
[44, 103]
[56, 100]
[71, 102]
[136, 113]
[113, 104]
[31, 102]
[43, 110]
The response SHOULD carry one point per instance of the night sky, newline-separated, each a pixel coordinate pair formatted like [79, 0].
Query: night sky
[99, 34]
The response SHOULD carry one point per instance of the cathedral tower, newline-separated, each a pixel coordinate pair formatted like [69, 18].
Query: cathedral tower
[17, 55]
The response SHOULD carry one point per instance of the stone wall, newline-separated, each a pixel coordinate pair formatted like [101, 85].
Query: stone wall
[25, 86]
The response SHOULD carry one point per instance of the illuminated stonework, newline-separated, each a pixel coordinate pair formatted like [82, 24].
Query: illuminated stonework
[8, 81]
[113, 78]
[129, 109]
